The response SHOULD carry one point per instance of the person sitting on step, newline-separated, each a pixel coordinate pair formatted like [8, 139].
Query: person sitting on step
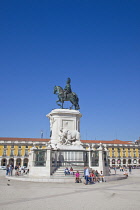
[102, 177]
[71, 171]
[66, 171]
[91, 177]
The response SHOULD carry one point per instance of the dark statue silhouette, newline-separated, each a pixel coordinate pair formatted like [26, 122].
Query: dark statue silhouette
[66, 94]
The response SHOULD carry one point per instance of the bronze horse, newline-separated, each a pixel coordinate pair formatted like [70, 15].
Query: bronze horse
[72, 97]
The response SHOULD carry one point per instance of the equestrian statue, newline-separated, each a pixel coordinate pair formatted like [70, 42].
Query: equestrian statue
[66, 94]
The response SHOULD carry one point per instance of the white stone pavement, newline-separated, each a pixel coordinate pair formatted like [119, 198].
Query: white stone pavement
[123, 194]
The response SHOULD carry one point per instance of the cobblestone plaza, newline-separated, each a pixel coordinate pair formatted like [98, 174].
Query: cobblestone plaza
[123, 194]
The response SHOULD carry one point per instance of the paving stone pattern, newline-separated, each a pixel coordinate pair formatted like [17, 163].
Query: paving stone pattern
[122, 194]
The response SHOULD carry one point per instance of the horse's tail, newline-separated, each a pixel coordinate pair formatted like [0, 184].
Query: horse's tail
[76, 101]
[76, 97]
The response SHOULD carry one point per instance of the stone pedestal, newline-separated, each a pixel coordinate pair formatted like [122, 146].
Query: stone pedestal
[65, 147]
[48, 162]
[89, 158]
[103, 165]
[63, 119]
[31, 153]
[38, 170]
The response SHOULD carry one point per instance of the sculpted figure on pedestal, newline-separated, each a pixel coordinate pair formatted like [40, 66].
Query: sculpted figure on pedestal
[73, 136]
[69, 137]
[52, 120]
[66, 95]
[62, 136]
[67, 88]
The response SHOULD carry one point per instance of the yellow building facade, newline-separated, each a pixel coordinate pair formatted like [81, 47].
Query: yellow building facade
[15, 151]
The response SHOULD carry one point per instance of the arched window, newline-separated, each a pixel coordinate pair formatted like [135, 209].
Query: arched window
[4, 162]
[113, 161]
[124, 161]
[11, 161]
[119, 161]
[25, 162]
[135, 161]
[18, 162]
[129, 161]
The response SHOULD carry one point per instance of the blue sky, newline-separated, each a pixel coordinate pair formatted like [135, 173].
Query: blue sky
[95, 43]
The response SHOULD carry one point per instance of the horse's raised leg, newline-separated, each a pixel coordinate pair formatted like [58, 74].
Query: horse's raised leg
[58, 103]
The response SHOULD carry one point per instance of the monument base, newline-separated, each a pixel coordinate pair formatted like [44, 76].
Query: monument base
[74, 146]
[64, 126]
[65, 148]
[70, 147]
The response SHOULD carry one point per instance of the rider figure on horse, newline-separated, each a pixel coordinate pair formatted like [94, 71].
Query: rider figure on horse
[67, 88]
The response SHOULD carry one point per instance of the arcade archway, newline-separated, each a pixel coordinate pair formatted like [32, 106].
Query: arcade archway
[4, 162]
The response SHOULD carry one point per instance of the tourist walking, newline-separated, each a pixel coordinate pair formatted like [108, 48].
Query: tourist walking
[7, 170]
[115, 169]
[130, 169]
[86, 174]
[10, 170]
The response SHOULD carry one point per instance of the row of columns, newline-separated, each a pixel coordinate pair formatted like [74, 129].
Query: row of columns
[101, 150]
[121, 159]
[14, 159]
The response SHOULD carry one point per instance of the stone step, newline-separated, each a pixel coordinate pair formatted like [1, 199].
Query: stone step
[64, 177]
[75, 169]
[60, 172]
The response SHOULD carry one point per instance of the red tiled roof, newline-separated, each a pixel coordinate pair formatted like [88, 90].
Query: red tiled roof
[116, 141]
[22, 139]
